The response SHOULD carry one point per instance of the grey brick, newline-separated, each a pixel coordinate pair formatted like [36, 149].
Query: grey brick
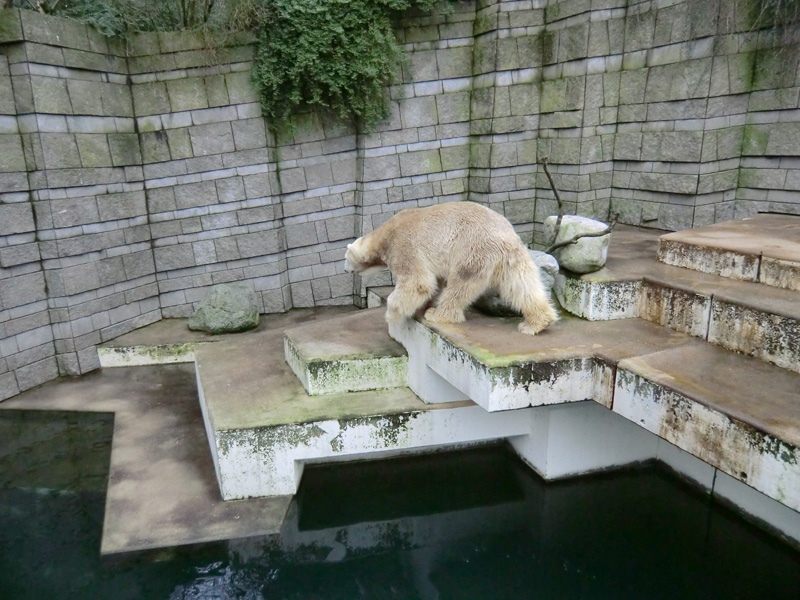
[36, 374]
[381, 167]
[50, 95]
[187, 94]
[261, 243]
[121, 206]
[340, 228]
[249, 133]
[301, 234]
[214, 138]
[292, 180]
[60, 151]
[319, 175]
[93, 149]
[8, 386]
[138, 264]
[302, 294]
[203, 193]
[11, 256]
[230, 189]
[124, 149]
[256, 185]
[68, 212]
[169, 258]
[16, 218]
[81, 278]
[419, 112]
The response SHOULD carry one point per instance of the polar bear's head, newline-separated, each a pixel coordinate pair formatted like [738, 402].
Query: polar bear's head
[360, 259]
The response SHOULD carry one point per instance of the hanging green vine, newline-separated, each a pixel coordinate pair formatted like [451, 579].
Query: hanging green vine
[337, 55]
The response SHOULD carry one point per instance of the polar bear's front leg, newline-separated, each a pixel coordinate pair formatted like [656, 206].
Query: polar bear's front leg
[409, 295]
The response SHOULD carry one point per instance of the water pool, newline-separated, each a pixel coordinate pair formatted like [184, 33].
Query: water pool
[472, 524]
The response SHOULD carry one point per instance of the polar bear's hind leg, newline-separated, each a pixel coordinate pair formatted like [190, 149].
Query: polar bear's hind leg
[519, 284]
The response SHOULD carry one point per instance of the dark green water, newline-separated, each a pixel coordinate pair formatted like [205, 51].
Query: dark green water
[465, 525]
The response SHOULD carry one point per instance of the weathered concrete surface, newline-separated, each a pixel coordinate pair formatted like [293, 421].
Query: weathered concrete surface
[262, 425]
[763, 248]
[161, 489]
[349, 354]
[734, 412]
[170, 340]
[570, 361]
[747, 317]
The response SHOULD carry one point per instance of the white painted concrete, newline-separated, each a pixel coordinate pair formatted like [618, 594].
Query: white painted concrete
[141, 356]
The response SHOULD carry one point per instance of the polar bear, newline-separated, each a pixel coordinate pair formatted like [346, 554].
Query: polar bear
[470, 247]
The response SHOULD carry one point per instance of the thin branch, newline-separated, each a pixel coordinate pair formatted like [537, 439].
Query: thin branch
[557, 229]
[575, 239]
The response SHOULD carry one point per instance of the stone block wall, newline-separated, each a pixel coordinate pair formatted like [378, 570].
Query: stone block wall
[135, 174]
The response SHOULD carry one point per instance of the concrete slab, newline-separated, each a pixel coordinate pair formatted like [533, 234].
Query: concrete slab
[161, 490]
[739, 249]
[734, 412]
[486, 360]
[746, 317]
[349, 354]
[171, 341]
[263, 426]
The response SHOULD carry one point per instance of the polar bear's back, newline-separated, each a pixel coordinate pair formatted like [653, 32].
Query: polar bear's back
[462, 233]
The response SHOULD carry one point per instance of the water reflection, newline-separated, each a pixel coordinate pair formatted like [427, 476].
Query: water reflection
[472, 525]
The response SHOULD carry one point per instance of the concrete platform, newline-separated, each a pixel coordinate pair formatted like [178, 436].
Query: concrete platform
[161, 489]
[263, 427]
[746, 317]
[171, 341]
[763, 248]
[735, 413]
[353, 353]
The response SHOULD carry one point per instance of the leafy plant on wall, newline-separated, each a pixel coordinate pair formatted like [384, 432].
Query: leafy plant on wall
[335, 55]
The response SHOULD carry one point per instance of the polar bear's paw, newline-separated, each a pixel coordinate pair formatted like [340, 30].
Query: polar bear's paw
[529, 329]
[438, 315]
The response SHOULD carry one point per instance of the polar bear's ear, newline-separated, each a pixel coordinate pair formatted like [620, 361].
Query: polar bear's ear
[349, 246]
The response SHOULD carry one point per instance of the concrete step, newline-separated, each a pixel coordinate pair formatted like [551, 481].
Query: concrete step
[350, 354]
[735, 413]
[171, 341]
[747, 317]
[763, 249]
[263, 426]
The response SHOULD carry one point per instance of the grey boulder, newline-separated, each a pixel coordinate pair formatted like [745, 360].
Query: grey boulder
[587, 254]
[226, 308]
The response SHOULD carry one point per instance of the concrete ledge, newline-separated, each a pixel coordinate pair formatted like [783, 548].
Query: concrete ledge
[736, 413]
[747, 317]
[764, 248]
[741, 416]
[349, 354]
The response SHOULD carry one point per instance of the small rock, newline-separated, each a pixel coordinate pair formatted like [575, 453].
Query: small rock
[588, 254]
[226, 308]
[548, 267]
[491, 304]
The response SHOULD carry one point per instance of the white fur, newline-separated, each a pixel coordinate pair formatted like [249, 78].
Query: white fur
[467, 245]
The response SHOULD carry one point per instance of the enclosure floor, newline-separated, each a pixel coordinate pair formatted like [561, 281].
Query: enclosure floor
[162, 490]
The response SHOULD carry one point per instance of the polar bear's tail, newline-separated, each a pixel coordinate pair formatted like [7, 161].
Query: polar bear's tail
[518, 282]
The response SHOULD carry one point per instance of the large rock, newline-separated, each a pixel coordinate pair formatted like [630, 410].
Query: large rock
[587, 254]
[491, 304]
[226, 308]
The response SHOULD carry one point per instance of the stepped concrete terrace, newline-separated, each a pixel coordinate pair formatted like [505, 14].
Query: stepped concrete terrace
[583, 396]
[764, 248]
[744, 316]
